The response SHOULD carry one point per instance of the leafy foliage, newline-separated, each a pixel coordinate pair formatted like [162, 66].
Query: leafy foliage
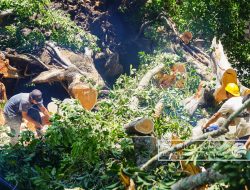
[35, 22]
[205, 19]
[88, 149]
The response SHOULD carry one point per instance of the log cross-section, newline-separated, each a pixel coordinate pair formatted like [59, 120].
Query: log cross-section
[140, 126]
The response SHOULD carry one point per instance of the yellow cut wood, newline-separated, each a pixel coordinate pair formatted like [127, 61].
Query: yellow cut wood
[186, 37]
[126, 181]
[85, 94]
[2, 119]
[5, 68]
[229, 76]
[189, 168]
[176, 78]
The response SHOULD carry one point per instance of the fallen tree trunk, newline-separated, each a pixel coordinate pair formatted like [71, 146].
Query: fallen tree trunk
[140, 126]
[224, 74]
[134, 102]
[221, 131]
[209, 176]
[58, 65]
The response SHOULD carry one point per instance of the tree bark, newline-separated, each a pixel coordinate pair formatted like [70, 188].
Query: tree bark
[134, 102]
[209, 176]
[145, 147]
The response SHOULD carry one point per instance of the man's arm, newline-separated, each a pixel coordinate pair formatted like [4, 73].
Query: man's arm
[247, 144]
[44, 111]
[213, 119]
[28, 118]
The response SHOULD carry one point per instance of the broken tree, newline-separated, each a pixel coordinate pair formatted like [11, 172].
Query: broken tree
[76, 72]
[223, 74]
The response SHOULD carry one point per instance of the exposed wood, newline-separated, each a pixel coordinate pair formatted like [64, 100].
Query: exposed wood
[85, 94]
[140, 126]
[223, 129]
[176, 78]
[222, 69]
[134, 102]
[194, 51]
[77, 71]
[6, 69]
[186, 37]
[224, 74]
[158, 108]
[192, 103]
[52, 107]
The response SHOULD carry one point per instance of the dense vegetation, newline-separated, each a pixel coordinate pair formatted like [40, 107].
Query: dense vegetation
[90, 149]
[35, 22]
[205, 19]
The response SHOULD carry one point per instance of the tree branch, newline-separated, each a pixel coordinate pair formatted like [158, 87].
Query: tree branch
[209, 176]
[143, 84]
[221, 131]
[6, 13]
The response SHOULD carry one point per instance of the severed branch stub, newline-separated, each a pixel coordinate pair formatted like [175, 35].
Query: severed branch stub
[223, 129]
[140, 126]
[144, 144]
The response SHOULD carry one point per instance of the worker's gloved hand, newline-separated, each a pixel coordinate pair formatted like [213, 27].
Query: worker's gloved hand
[210, 128]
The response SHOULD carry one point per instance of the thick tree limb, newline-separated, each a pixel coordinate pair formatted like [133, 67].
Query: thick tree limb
[58, 54]
[134, 102]
[221, 131]
[52, 75]
[194, 51]
[6, 13]
[209, 176]
[38, 61]
[26, 58]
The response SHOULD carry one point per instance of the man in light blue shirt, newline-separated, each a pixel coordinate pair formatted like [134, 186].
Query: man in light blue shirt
[18, 106]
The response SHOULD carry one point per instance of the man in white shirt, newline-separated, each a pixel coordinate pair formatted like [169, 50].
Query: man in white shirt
[233, 103]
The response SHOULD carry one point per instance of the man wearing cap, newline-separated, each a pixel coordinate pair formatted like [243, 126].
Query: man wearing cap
[233, 104]
[234, 101]
[18, 106]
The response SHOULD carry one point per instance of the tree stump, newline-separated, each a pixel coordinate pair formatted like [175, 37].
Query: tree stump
[140, 126]
[145, 147]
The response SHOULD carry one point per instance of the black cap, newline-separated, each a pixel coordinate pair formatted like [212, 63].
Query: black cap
[37, 96]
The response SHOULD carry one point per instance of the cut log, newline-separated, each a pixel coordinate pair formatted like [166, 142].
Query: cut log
[222, 69]
[145, 147]
[7, 70]
[140, 126]
[52, 108]
[176, 78]
[186, 37]
[77, 70]
[85, 94]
